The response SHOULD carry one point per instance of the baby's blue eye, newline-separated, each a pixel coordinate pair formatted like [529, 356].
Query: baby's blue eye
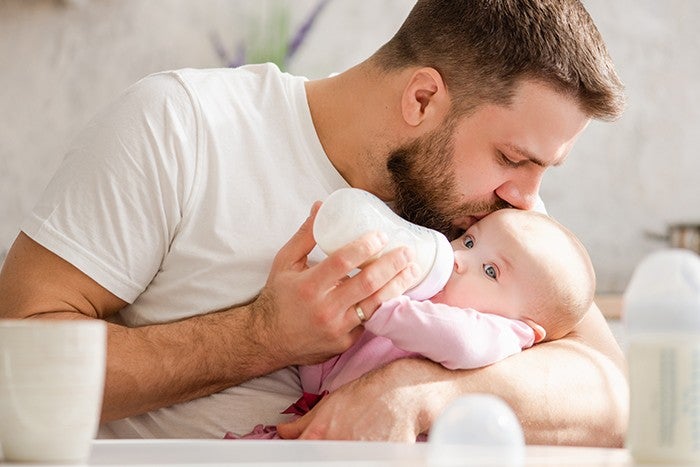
[491, 271]
[468, 241]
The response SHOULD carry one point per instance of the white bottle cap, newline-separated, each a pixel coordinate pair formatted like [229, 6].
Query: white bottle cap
[439, 272]
[476, 430]
[664, 293]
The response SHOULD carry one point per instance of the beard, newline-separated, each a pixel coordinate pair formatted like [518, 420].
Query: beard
[425, 190]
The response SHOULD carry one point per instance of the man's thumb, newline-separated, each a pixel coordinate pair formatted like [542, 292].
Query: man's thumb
[291, 430]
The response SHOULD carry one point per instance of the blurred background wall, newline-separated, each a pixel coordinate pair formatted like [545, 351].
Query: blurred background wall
[61, 61]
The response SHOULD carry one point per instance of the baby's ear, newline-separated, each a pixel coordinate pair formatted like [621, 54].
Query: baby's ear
[539, 331]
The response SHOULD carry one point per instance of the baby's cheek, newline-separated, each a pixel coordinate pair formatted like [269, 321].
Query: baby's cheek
[453, 294]
[438, 297]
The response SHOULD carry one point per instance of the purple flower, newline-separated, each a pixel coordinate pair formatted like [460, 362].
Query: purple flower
[291, 48]
[239, 57]
[301, 34]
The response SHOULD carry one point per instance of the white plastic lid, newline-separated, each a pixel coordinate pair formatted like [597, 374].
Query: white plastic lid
[664, 293]
[476, 430]
[439, 272]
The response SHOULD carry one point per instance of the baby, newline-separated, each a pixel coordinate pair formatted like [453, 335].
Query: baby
[529, 277]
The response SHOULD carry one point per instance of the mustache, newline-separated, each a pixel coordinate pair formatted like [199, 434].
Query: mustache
[471, 209]
[419, 211]
[480, 208]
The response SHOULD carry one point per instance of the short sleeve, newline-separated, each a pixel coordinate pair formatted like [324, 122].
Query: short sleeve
[116, 201]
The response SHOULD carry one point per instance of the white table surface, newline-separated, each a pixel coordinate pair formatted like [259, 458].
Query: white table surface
[315, 453]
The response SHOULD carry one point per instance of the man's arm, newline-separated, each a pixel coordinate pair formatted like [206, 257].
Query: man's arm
[571, 391]
[303, 315]
[147, 367]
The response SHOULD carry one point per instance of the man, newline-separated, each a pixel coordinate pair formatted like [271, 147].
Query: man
[170, 214]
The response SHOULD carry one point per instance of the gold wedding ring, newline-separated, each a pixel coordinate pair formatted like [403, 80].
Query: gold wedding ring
[360, 313]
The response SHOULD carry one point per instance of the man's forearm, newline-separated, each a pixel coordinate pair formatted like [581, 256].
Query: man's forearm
[572, 391]
[147, 367]
[160, 365]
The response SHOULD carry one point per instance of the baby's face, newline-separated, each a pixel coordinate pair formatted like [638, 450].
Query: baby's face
[493, 271]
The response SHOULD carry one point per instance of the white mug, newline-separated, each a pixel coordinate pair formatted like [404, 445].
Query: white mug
[51, 387]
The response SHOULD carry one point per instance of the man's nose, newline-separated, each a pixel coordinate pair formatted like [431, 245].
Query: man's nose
[522, 192]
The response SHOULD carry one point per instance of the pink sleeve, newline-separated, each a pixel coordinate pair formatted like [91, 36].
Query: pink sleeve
[313, 376]
[457, 338]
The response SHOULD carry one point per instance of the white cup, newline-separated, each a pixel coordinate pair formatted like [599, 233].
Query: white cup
[51, 387]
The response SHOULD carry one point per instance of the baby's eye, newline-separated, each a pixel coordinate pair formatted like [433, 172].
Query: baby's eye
[491, 271]
[468, 241]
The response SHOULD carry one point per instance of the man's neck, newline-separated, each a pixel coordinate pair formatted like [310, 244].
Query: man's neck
[354, 114]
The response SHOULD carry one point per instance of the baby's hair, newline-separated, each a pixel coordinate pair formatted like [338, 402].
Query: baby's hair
[564, 301]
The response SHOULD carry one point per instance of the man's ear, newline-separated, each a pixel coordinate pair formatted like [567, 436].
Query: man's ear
[424, 98]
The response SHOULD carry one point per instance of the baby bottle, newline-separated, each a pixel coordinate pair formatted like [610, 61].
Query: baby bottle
[662, 324]
[349, 213]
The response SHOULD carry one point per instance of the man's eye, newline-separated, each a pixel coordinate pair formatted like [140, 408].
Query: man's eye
[507, 161]
[468, 241]
[491, 271]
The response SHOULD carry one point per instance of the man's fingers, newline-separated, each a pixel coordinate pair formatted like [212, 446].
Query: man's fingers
[302, 242]
[293, 429]
[349, 257]
[372, 286]
[405, 280]
[303, 428]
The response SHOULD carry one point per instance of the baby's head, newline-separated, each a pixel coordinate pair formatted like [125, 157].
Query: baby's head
[522, 265]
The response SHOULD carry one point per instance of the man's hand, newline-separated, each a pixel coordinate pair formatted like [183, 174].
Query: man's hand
[370, 408]
[306, 314]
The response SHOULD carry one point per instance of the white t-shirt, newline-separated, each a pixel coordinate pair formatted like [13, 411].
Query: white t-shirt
[176, 199]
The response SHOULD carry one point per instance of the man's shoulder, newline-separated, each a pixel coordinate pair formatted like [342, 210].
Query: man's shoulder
[253, 75]
[247, 87]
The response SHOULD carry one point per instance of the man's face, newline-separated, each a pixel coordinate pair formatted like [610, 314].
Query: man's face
[492, 158]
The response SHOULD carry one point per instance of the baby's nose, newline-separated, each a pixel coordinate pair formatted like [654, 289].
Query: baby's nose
[460, 266]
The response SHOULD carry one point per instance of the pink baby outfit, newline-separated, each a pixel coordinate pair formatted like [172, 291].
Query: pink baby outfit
[457, 338]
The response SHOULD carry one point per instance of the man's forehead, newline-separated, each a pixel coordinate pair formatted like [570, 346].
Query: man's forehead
[539, 124]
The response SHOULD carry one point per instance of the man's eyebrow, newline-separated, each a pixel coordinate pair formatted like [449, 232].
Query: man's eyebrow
[522, 152]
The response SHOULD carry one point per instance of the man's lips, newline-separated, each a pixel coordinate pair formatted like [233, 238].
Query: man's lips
[468, 221]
